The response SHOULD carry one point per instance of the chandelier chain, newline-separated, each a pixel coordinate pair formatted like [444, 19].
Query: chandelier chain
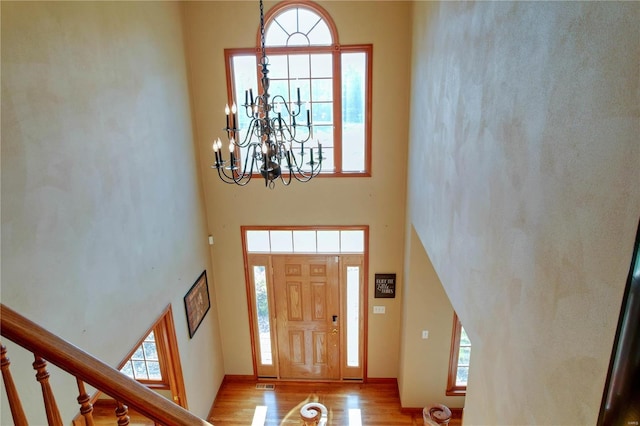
[262, 41]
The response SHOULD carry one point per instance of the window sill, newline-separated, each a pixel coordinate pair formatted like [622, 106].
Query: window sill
[456, 392]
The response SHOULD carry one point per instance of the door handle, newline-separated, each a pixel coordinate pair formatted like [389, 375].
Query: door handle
[334, 331]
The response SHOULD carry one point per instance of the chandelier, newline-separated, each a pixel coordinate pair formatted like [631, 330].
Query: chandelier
[272, 146]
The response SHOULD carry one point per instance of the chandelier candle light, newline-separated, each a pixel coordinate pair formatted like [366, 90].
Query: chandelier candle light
[268, 145]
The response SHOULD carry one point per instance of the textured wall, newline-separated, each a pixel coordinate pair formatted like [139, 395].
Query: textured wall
[102, 217]
[378, 201]
[525, 190]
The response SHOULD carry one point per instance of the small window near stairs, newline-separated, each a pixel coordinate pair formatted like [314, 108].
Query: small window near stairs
[145, 363]
[459, 359]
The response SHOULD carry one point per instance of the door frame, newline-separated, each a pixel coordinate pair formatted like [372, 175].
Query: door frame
[364, 295]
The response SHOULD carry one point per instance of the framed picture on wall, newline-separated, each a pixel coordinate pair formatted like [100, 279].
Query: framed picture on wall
[196, 303]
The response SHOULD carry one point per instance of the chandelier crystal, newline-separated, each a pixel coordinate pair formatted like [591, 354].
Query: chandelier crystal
[273, 146]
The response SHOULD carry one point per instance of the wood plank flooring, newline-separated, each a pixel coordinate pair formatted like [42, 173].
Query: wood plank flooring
[349, 404]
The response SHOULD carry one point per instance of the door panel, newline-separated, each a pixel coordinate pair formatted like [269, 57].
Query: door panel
[306, 298]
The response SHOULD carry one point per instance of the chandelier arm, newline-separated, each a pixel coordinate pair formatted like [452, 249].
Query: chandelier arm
[287, 158]
[294, 112]
[303, 176]
[234, 177]
[226, 178]
[246, 177]
[247, 138]
[288, 181]
[289, 132]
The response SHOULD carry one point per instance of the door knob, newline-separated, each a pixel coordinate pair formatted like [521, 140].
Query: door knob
[334, 331]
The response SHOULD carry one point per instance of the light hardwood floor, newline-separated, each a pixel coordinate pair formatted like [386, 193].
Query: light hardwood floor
[349, 404]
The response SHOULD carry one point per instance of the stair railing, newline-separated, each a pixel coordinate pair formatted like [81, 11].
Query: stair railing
[87, 369]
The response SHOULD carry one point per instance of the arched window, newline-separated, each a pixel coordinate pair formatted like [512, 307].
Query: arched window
[332, 81]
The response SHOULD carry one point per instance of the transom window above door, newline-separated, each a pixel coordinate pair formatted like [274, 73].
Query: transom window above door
[305, 241]
[329, 82]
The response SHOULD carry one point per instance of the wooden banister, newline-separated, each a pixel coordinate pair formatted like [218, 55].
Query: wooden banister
[92, 371]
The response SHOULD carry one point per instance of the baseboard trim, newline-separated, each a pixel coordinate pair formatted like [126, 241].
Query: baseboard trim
[239, 378]
[381, 380]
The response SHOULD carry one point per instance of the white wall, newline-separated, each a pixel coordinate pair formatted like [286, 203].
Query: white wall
[525, 190]
[103, 222]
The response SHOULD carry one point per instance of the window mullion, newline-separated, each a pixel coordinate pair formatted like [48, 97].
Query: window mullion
[337, 111]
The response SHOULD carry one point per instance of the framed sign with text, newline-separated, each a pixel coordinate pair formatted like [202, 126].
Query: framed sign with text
[385, 286]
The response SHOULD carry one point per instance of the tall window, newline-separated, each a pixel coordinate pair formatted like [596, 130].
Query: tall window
[459, 359]
[331, 81]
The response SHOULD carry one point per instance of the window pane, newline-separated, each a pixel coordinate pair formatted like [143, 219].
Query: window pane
[262, 314]
[322, 89]
[352, 241]
[154, 370]
[127, 369]
[304, 241]
[275, 36]
[280, 87]
[462, 376]
[321, 65]
[353, 111]
[140, 370]
[277, 67]
[463, 356]
[298, 39]
[328, 241]
[320, 35]
[281, 242]
[150, 350]
[464, 339]
[353, 316]
[322, 113]
[306, 20]
[138, 354]
[299, 66]
[258, 241]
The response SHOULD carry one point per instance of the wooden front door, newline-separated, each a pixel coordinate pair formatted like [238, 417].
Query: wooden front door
[307, 306]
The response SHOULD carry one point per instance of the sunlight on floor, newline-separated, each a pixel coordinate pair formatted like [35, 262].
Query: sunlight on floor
[355, 419]
[259, 416]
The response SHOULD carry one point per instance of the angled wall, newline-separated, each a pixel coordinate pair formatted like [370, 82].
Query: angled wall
[424, 363]
[525, 190]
